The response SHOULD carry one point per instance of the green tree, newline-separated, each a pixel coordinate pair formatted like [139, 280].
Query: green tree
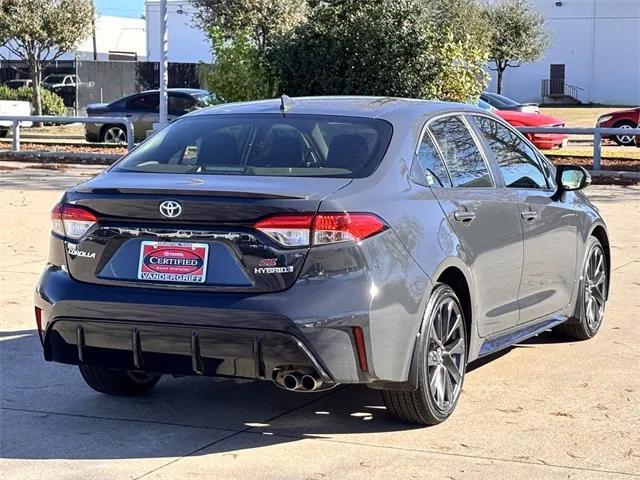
[40, 31]
[239, 72]
[518, 35]
[242, 33]
[410, 48]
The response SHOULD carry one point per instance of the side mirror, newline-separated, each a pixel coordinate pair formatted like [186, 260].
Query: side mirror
[570, 178]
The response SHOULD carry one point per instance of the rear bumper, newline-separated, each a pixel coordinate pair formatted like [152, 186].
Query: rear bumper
[309, 324]
[179, 350]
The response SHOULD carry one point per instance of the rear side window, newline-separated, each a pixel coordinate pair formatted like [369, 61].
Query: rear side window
[517, 161]
[432, 164]
[461, 155]
[264, 145]
[144, 103]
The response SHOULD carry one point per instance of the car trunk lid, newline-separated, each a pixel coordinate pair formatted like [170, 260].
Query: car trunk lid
[213, 235]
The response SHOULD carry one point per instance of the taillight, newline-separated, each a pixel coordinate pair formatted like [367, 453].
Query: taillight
[71, 221]
[321, 229]
[287, 230]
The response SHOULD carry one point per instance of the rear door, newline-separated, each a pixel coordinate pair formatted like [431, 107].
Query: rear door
[143, 111]
[485, 221]
[549, 224]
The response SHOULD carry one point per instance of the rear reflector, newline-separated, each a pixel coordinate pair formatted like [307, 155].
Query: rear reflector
[71, 221]
[320, 229]
[358, 336]
[38, 314]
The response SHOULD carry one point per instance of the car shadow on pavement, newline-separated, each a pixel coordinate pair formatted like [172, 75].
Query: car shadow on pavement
[49, 413]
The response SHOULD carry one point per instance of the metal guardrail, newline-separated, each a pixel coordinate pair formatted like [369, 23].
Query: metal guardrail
[596, 132]
[15, 124]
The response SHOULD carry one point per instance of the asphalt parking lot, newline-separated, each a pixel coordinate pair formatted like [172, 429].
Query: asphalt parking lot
[545, 409]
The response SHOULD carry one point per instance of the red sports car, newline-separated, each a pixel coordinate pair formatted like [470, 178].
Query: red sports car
[544, 141]
[621, 119]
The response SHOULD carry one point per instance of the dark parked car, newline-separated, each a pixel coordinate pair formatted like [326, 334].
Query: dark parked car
[143, 110]
[501, 102]
[629, 118]
[18, 83]
[322, 241]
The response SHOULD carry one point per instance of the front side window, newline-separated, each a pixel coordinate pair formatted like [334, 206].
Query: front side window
[461, 155]
[179, 104]
[516, 159]
[264, 145]
[432, 165]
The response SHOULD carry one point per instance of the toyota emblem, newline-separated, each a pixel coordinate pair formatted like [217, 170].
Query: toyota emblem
[170, 209]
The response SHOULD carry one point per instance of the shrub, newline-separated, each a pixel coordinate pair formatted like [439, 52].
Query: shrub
[52, 104]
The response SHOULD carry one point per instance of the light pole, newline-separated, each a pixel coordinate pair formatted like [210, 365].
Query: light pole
[164, 64]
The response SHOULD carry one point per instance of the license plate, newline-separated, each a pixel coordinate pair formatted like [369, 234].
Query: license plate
[173, 262]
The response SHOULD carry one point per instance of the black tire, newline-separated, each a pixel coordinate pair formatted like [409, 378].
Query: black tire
[581, 326]
[420, 406]
[118, 382]
[108, 134]
[624, 142]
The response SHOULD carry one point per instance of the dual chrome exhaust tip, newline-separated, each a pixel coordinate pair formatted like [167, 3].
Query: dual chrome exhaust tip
[300, 382]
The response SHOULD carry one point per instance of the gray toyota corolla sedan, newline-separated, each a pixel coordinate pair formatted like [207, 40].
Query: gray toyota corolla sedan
[314, 242]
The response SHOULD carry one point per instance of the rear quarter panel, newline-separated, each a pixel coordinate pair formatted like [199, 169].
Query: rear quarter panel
[428, 246]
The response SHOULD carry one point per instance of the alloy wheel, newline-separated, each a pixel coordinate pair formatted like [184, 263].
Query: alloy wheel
[115, 135]
[625, 139]
[595, 288]
[446, 354]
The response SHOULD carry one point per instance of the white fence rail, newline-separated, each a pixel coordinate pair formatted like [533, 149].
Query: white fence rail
[596, 133]
[15, 124]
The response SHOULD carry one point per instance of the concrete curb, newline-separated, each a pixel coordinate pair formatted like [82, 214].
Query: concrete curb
[59, 157]
[614, 174]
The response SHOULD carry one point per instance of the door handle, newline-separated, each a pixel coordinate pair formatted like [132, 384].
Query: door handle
[464, 216]
[529, 215]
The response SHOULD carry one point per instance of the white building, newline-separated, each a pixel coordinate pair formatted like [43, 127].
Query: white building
[116, 38]
[595, 46]
[187, 42]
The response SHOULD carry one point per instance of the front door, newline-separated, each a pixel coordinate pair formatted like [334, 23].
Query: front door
[549, 226]
[485, 221]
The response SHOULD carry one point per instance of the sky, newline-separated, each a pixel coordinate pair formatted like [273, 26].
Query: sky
[120, 8]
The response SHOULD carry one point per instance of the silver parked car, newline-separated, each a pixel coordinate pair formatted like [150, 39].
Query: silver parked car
[314, 242]
[143, 111]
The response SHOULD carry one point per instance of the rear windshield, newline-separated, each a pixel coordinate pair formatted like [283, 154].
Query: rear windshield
[264, 145]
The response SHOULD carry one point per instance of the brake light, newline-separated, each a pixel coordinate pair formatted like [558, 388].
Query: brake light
[71, 221]
[321, 229]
